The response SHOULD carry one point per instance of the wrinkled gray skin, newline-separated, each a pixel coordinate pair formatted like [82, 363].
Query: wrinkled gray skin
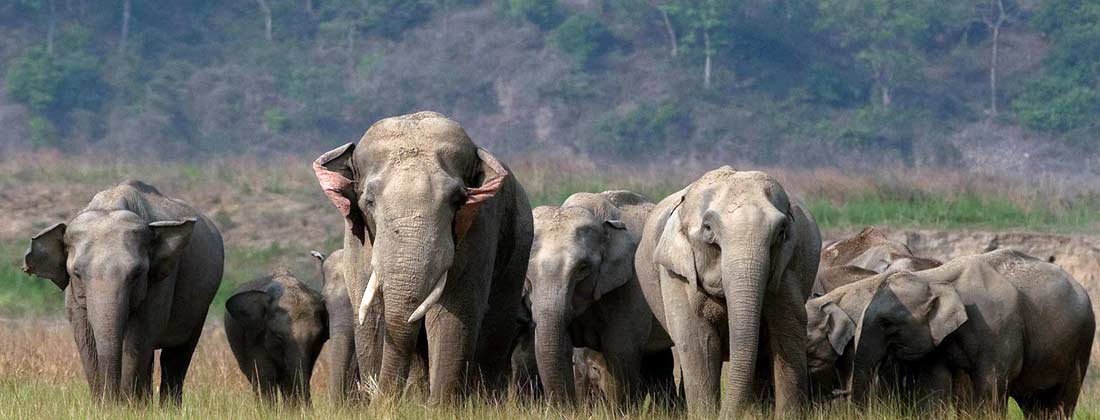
[830, 331]
[276, 326]
[410, 176]
[343, 368]
[591, 377]
[727, 264]
[847, 276]
[864, 254]
[1007, 323]
[584, 293]
[525, 369]
[139, 271]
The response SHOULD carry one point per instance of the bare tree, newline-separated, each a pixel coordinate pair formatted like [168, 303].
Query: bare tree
[51, 26]
[125, 25]
[266, 10]
[670, 30]
[994, 17]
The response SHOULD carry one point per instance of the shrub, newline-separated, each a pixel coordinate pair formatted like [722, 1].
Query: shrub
[544, 13]
[641, 132]
[584, 38]
[1056, 104]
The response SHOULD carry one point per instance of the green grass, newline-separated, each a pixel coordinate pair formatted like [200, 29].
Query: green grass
[964, 211]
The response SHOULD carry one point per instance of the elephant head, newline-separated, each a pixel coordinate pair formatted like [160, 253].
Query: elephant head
[731, 239]
[410, 191]
[829, 332]
[285, 322]
[907, 318]
[107, 260]
[577, 258]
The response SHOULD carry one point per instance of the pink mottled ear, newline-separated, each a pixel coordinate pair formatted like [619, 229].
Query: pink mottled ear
[333, 171]
[494, 180]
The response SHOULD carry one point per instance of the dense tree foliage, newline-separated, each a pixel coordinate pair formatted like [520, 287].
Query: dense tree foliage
[757, 80]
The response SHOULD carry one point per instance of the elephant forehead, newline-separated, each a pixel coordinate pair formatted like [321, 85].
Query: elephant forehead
[558, 219]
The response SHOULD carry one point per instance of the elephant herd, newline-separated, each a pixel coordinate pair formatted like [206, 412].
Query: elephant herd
[719, 297]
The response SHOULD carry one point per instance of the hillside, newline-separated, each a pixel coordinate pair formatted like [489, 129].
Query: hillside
[821, 83]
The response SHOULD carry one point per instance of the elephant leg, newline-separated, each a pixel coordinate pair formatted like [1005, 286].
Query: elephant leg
[174, 362]
[137, 362]
[369, 339]
[657, 377]
[698, 348]
[497, 335]
[452, 338]
[418, 369]
[990, 392]
[785, 318]
[625, 367]
[82, 334]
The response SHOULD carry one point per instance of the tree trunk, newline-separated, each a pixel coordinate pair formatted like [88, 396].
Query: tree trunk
[671, 31]
[51, 26]
[125, 25]
[996, 27]
[267, 18]
[706, 65]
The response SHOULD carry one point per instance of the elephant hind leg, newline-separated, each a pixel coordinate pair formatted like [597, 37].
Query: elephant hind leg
[174, 362]
[1045, 405]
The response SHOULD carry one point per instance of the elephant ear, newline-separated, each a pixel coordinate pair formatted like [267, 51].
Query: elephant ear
[336, 175]
[784, 250]
[493, 175]
[249, 307]
[946, 312]
[673, 251]
[618, 259]
[168, 245]
[841, 327]
[46, 256]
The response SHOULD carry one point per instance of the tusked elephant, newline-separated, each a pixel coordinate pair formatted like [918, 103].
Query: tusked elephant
[727, 264]
[863, 255]
[436, 241]
[139, 271]
[276, 326]
[343, 368]
[1001, 324]
[584, 293]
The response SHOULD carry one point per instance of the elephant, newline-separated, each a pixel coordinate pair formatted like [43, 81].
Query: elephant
[831, 322]
[437, 234]
[862, 255]
[727, 264]
[276, 326]
[138, 270]
[998, 324]
[343, 368]
[584, 293]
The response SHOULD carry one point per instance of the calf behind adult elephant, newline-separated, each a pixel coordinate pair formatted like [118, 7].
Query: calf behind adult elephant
[343, 368]
[584, 293]
[276, 326]
[437, 235]
[726, 264]
[862, 255]
[139, 271]
[1001, 323]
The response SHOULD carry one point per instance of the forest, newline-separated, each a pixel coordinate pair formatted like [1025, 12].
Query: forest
[808, 83]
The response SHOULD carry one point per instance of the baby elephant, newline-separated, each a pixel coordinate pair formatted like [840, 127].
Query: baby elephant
[276, 326]
[998, 324]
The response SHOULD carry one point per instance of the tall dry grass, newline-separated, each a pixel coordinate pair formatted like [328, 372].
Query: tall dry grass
[41, 378]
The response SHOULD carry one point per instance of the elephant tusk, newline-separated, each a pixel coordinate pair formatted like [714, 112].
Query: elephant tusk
[368, 296]
[431, 300]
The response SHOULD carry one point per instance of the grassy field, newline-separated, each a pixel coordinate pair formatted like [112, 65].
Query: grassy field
[40, 378]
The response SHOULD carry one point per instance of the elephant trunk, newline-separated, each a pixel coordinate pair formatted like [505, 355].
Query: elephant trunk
[868, 354]
[108, 312]
[412, 272]
[342, 366]
[554, 351]
[745, 272]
